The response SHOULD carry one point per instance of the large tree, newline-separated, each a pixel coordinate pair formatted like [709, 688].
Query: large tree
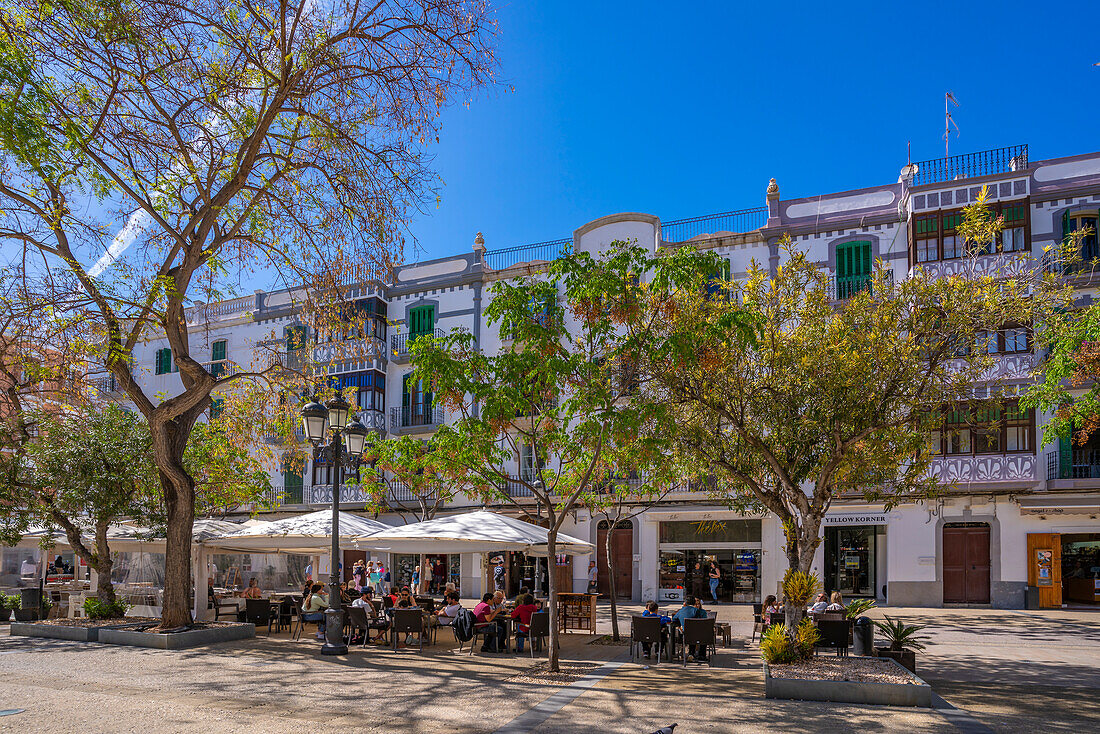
[836, 398]
[554, 401]
[229, 138]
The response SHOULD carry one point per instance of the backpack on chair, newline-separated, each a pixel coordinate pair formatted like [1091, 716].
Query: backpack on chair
[464, 625]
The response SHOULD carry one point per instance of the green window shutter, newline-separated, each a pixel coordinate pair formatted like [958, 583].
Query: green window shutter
[406, 396]
[1065, 457]
[157, 368]
[1065, 224]
[218, 351]
[421, 320]
[217, 406]
[853, 268]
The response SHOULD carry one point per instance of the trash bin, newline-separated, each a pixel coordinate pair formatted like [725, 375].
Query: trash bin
[1031, 597]
[30, 603]
[863, 636]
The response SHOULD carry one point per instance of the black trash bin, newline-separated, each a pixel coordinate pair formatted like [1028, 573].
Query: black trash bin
[863, 636]
[1031, 597]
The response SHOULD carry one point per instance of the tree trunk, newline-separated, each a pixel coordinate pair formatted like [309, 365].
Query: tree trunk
[801, 547]
[551, 554]
[103, 563]
[611, 582]
[169, 442]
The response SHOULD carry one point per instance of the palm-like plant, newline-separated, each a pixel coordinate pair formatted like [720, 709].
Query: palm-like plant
[858, 607]
[800, 587]
[902, 636]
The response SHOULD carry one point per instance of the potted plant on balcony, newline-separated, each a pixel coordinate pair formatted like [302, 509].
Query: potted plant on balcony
[904, 642]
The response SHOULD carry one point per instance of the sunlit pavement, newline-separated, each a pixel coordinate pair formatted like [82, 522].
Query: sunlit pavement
[1035, 671]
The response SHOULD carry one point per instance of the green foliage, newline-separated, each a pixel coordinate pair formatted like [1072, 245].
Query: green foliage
[900, 635]
[1069, 384]
[96, 609]
[778, 647]
[800, 587]
[11, 601]
[858, 607]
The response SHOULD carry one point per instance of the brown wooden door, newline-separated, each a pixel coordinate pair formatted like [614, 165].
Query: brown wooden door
[1044, 551]
[966, 564]
[622, 554]
[563, 575]
[350, 557]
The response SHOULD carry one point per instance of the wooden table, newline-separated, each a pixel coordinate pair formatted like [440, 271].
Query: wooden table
[577, 612]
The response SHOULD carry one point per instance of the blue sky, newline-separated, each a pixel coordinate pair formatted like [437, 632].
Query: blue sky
[688, 108]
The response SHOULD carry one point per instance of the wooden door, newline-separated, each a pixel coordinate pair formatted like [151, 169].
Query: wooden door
[563, 575]
[1044, 567]
[350, 557]
[966, 564]
[622, 554]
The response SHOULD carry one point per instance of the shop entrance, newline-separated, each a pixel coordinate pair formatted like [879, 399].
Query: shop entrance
[687, 572]
[622, 555]
[966, 563]
[850, 560]
[1080, 568]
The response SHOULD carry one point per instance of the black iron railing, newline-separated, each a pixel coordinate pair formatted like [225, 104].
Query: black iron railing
[401, 344]
[417, 414]
[740, 221]
[549, 250]
[971, 165]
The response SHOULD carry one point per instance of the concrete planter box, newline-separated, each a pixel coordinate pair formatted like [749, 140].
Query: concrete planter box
[58, 632]
[178, 640]
[916, 693]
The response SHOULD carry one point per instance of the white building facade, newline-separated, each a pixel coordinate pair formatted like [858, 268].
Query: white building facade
[1019, 515]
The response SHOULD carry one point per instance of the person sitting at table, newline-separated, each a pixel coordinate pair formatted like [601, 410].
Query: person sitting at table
[313, 608]
[253, 591]
[836, 603]
[653, 610]
[772, 605]
[451, 607]
[524, 609]
[819, 606]
[485, 614]
[523, 592]
[692, 609]
[450, 587]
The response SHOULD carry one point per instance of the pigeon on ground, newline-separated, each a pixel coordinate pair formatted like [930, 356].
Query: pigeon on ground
[665, 729]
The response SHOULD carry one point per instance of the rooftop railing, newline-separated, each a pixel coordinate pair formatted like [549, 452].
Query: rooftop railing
[739, 221]
[506, 258]
[971, 165]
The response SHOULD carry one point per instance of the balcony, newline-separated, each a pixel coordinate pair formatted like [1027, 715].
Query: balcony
[280, 495]
[418, 415]
[398, 493]
[971, 165]
[321, 494]
[986, 469]
[401, 344]
[1080, 469]
[104, 385]
[841, 288]
[710, 225]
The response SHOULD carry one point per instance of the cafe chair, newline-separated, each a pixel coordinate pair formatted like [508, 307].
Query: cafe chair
[699, 632]
[406, 622]
[358, 622]
[757, 621]
[834, 633]
[260, 612]
[225, 608]
[538, 631]
[644, 630]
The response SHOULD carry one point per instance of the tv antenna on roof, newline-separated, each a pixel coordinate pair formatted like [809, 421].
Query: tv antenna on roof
[948, 122]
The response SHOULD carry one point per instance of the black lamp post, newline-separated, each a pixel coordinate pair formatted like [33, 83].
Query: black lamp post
[318, 419]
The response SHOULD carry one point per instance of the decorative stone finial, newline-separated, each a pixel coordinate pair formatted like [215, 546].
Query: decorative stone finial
[773, 187]
[479, 242]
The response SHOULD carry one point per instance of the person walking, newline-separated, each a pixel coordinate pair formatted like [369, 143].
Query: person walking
[715, 577]
[593, 577]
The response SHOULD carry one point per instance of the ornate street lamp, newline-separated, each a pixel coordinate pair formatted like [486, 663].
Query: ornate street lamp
[317, 420]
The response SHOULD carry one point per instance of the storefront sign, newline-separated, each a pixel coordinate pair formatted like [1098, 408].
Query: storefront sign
[856, 519]
[851, 560]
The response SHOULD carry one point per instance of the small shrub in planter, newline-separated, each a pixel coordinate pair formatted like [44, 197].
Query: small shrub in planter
[777, 647]
[904, 642]
[96, 609]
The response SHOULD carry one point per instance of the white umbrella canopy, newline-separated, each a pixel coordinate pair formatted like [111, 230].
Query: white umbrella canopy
[298, 534]
[471, 532]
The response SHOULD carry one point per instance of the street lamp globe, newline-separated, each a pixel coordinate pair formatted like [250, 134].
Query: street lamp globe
[355, 438]
[314, 418]
[337, 412]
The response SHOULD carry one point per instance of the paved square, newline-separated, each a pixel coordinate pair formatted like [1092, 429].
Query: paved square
[1010, 671]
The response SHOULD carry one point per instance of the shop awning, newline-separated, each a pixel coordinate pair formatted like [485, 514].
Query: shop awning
[1087, 505]
[471, 532]
[307, 533]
